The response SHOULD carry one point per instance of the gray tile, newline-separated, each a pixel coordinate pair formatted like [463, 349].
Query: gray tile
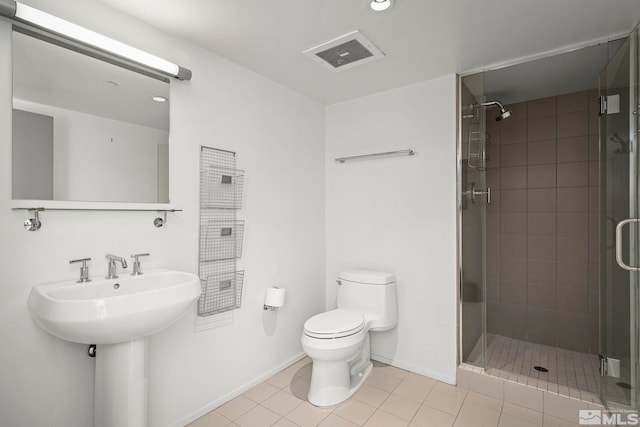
[573, 275]
[513, 246]
[573, 224]
[513, 155]
[542, 320]
[513, 131]
[513, 269]
[573, 250]
[513, 178]
[541, 128]
[513, 200]
[574, 149]
[541, 152]
[573, 174]
[575, 101]
[542, 200]
[573, 331]
[513, 292]
[541, 176]
[542, 107]
[573, 199]
[513, 224]
[573, 124]
[542, 297]
[541, 248]
[573, 300]
[515, 315]
[541, 224]
[541, 272]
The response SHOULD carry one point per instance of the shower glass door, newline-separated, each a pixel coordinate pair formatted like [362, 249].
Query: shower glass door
[473, 200]
[619, 227]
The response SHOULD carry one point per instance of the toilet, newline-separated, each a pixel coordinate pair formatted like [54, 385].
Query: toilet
[338, 340]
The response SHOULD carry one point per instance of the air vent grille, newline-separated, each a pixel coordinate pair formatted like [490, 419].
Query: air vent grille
[344, 52]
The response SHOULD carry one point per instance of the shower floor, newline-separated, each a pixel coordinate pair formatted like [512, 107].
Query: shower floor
[570, 373]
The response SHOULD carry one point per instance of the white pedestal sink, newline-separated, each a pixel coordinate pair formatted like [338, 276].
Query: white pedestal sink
[117, 315]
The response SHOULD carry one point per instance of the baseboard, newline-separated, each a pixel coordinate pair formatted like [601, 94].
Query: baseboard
[237, 392]
[416, 369]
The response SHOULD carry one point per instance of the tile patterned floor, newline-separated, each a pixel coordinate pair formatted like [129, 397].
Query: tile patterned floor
[570, 373]
[390, 397]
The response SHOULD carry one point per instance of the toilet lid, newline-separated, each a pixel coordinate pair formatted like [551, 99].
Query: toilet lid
[334, 324]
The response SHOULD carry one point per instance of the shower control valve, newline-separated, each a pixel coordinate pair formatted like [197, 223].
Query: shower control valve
[473, 192]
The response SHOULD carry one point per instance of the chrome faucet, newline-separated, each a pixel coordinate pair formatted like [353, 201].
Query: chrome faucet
[136, 264]
[84, 270]
[111, 265]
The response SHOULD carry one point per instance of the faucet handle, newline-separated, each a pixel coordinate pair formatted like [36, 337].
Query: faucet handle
[84, 270]
[136, 264]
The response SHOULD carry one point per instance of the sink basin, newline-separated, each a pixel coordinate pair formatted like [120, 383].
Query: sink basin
[109, 311]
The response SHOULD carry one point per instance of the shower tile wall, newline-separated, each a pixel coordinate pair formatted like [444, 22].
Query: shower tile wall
[542, 224]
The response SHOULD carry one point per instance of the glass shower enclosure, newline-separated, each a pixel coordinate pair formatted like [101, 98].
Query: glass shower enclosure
[473, 200]
[618, 225]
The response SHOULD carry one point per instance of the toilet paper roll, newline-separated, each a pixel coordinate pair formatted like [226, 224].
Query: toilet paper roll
[274, 297]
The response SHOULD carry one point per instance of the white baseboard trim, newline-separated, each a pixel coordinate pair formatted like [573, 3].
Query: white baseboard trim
[416, 369]
[237, 392]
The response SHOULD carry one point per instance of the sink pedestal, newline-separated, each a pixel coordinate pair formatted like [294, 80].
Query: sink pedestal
[121, 384]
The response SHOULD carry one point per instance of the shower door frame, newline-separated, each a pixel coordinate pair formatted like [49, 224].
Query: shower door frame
[624, 243]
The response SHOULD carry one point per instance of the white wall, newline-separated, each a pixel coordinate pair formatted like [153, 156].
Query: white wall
[100, 159]
[279, 138]
[32, 155]
[399, 214]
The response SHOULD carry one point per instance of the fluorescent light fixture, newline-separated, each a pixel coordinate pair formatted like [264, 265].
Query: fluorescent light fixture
[68, 30]
[380, 5]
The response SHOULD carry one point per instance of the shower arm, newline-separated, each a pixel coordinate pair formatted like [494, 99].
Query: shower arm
[491, 104]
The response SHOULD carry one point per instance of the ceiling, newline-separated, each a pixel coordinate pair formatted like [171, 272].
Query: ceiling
[569, 72]
[422, 39]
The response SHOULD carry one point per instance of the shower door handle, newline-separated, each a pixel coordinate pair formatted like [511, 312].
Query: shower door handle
[619, 228]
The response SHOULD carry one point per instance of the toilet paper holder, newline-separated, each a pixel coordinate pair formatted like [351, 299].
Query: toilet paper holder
[274, 298]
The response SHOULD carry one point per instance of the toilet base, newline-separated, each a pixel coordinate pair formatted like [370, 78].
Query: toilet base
[334, 382]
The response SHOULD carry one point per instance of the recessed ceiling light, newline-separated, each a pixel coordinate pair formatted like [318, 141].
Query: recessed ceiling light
[380, 5]
[159, 98]
[109, 83]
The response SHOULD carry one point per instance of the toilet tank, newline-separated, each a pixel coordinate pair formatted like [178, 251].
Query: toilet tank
[372, 293]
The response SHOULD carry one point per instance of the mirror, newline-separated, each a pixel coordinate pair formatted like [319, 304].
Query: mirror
[86, 130]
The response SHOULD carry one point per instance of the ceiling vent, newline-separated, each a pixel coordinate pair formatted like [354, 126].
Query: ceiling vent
[346, 51]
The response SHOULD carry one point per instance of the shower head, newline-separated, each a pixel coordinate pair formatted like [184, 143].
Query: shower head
[504, 114]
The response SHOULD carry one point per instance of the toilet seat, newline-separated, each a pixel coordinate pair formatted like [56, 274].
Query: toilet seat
[333, 324]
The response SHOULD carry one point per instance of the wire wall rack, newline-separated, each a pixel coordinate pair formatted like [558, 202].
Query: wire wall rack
[222, 240]
[221, 292]
[221, 233]
[221, 188]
